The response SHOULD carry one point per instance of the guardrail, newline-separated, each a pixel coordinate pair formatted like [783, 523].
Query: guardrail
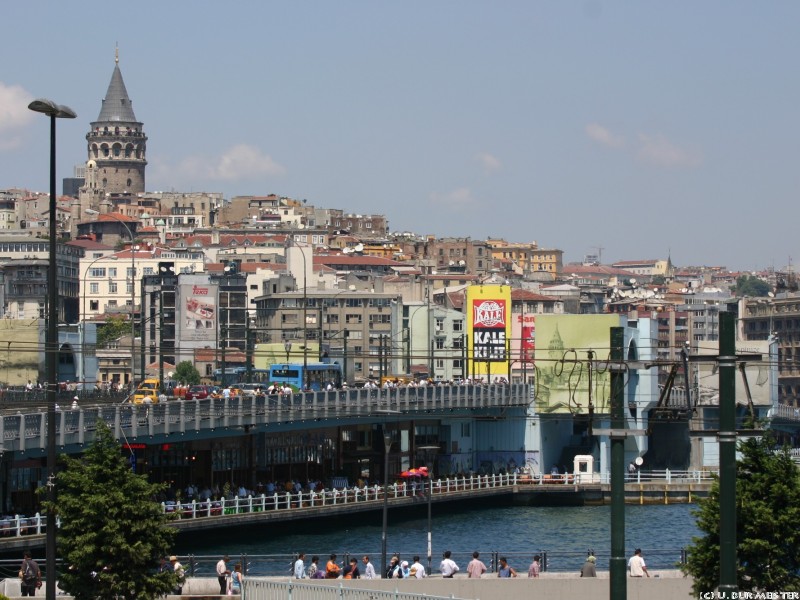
[266, 589]
[27, 431]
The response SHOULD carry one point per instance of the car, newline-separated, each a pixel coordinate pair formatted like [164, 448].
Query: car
[199, 392]
[251, 389]
[149, 388]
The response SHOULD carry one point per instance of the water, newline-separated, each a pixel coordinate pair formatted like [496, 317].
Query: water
[564, 533]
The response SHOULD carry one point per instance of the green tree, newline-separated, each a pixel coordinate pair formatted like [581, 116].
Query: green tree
[186, 372]
[767, 536]
[750, 285]
[112, 530]
[114, 328]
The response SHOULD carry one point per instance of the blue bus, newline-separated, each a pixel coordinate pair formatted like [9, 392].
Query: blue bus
[237, 375]
[313, 376]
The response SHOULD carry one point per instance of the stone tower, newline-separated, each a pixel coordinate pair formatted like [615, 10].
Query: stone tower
[116, 146]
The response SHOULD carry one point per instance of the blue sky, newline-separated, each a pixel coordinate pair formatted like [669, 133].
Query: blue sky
[644, 128]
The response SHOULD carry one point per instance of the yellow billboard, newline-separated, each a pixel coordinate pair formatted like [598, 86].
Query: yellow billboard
[563, 343]
[489, 331]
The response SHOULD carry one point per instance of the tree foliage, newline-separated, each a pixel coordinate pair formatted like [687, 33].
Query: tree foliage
[767, 536]
[112, 530]
[186, 372]
[750, 285]
[114, 328]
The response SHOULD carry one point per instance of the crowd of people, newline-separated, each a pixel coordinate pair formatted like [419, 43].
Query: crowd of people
[402, 569]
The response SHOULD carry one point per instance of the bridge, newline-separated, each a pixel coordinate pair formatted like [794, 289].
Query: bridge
[656, 487]
[25, 429]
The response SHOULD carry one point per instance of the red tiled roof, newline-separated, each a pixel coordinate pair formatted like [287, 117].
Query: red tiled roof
[523, 295]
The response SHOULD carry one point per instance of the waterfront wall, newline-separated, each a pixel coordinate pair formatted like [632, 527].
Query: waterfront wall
[668, 585]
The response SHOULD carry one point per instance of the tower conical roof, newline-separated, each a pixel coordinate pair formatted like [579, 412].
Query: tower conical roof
[116, 105]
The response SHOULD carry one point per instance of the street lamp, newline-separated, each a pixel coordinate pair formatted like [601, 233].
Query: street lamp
[289, 243]
[287, 345]
[428, 450]
[83, 316]
[54, 111]
[387, 445]
[92, 212]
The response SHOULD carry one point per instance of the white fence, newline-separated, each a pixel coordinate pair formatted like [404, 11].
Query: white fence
[265, 589]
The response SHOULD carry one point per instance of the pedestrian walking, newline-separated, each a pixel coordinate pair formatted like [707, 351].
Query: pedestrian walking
[29, 574]
[235, 587]
[180, 575]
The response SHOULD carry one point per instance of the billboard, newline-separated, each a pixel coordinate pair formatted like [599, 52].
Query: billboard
[759, 377]
[523, 339]
[198, 316]
[489, 330]
[562, 351]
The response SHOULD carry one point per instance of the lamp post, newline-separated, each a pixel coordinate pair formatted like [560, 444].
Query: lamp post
[428, 450]
[90, 211]
[54, 111]
[83, 316]
[387, 446]
[289, 243]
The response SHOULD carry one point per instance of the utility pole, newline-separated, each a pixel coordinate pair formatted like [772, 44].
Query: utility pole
[617, 566]
[727, 455]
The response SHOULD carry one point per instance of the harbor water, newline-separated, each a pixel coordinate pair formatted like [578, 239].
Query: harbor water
[563, 534]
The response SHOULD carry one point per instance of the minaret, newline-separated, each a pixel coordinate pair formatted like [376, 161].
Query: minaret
[117, 147]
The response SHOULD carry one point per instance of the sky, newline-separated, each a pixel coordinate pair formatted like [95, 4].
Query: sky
[633, 129]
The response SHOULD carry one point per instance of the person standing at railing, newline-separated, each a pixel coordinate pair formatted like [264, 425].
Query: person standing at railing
[222, 574]
[505, 569]
[417, 570]
[536, 567]
[236, 581]
[636, 564]
[369, 570]
[300, 567]
[589, 569]
[476, 568]
[448, 567]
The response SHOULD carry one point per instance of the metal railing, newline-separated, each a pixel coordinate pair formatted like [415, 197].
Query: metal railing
[336, 497]
[25, 430]
[266, 589]
[284, 501]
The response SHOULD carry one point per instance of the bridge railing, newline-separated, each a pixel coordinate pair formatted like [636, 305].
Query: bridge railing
[284, 500]
[26, 430]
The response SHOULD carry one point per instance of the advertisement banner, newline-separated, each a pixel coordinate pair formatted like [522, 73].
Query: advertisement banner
[562, 352]
[489, 330]
[198, 305]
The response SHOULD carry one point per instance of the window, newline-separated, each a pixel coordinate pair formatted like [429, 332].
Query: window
[112, 287]
[97, 272]
[94, 305]
[94, 288]
[458, 325]
[112, 271]
[440, 343]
